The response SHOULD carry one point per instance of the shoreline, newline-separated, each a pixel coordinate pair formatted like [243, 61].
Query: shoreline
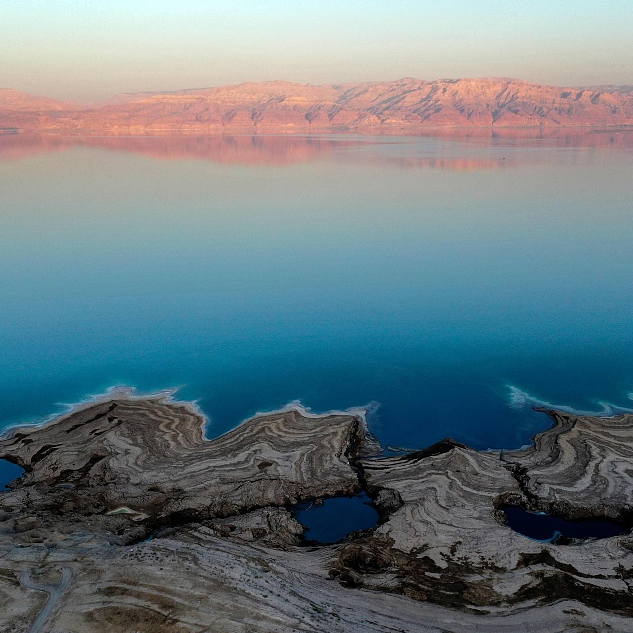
[329, 130]
[441, 542]
[527, 132]
[518, 399]
[119, 392]
[127, 393]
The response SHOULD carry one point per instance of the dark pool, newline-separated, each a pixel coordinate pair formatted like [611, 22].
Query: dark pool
[336, 517]
[544, 527]
[8, 472]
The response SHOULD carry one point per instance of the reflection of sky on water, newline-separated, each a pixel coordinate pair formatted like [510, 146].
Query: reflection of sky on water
[340, 280]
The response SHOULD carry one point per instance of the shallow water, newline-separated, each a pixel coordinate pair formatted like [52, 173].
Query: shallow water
[452, 282]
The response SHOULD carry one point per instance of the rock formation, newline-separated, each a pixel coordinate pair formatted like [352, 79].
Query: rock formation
[128, 519]
[377, 107]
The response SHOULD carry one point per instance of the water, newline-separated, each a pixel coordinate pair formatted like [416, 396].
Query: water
[544, 527]
[450, 282]
[336, 518]
[8, 473]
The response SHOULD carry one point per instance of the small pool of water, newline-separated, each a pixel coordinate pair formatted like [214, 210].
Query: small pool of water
[551, 529]
[336, 518]
[8, 472]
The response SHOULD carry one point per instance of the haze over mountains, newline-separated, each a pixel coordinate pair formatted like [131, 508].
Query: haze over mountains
[281, 106]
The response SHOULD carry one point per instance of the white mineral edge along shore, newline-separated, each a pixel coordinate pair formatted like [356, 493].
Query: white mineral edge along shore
[127, 393]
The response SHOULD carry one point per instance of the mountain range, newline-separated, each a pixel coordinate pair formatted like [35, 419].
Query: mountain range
[282, 106]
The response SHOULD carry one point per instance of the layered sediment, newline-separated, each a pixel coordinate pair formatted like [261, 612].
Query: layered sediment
[127, 518]
[282, 106]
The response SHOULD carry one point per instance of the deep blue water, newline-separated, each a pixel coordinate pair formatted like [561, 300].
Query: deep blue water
[8, 472]
[544, 527]
[450, 282]
[336, 518]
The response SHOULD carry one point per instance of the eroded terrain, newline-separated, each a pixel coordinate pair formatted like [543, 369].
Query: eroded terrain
[128, 519]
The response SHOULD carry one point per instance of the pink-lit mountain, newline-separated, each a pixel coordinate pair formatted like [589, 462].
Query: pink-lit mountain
[374, 107]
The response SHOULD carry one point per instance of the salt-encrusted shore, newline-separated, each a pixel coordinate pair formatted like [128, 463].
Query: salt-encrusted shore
[206, 541]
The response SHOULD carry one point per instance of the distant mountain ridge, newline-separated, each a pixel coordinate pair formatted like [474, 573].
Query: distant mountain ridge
[282, 106]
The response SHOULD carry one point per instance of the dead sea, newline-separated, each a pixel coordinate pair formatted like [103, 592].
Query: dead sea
[446, 284]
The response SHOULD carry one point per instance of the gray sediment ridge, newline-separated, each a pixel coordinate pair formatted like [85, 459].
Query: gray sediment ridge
[128, 519]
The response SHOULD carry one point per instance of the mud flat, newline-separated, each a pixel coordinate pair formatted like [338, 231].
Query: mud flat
[128, 519]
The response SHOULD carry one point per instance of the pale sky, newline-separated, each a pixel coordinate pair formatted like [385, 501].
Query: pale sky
[93, 49]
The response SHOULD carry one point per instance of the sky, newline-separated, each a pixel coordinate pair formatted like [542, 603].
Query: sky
[87, 50]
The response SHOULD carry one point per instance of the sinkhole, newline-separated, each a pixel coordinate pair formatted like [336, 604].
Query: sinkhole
[546, 528]
[8, 473]
[335, 518]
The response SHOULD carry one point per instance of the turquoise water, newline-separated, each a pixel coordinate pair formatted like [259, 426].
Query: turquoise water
[450, 283]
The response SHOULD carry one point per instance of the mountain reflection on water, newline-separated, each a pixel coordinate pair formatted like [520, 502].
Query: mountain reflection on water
[288, 149]
[454, 280]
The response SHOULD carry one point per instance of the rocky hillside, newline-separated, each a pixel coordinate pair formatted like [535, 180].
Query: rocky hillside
[281, 106]
[15, 101]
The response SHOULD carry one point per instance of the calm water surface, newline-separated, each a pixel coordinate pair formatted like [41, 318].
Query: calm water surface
[336, 517]
[450, 282]
[544, 527]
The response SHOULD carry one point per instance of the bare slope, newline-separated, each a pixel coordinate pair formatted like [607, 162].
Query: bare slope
[281, 106]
